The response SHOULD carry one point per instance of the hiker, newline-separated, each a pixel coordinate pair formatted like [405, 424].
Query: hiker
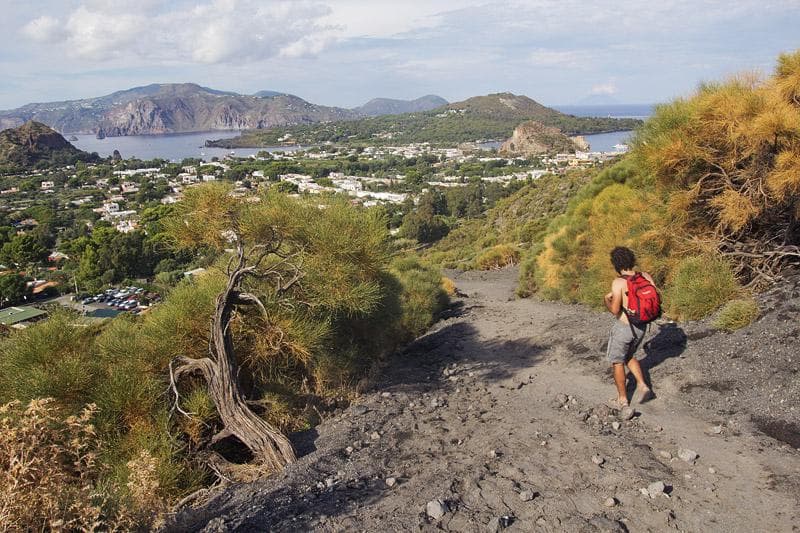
[634, 301]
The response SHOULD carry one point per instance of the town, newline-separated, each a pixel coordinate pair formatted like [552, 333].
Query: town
[57, 214]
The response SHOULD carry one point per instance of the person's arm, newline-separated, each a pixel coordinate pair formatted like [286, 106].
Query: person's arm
[613, 299]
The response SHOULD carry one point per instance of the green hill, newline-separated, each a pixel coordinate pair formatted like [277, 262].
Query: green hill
[516, 221]
[492, 116]
[33, 144]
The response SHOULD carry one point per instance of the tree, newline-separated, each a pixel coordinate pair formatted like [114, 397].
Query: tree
[24, 249]
[13, 289]
[210, 216]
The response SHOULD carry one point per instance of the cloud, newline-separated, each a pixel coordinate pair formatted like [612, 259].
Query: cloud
[44, 29]
[208, 32]
[607, 89]
[543, 57]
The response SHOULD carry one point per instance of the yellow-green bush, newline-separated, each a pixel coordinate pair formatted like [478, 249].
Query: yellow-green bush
[737, 314]
[700, 285]
[711, 184]
[519, 220]
[573, 264]
[496, 257]
[449, 286]
[422, 297]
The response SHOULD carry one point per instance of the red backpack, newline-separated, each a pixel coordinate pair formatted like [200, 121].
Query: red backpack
[644, 302]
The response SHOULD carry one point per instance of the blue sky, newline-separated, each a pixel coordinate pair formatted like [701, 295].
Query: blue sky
[344, 52]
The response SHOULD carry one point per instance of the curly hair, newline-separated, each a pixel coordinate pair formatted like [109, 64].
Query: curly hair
[622, 258]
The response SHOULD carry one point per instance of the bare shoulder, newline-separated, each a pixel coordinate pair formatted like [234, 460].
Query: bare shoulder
[619, 284]
[648, 277]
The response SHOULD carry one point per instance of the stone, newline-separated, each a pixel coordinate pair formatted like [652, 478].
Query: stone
[527, 495]
[391, 482]
[598, 460]
[375, 435]
[330, 482]
[436, 509]
[716, 430]
[359, 410]
[499, 523]
[386, 394]
[616, 425]
[561, 398]
[712, 470]
[656, 488]
[626, 413]
[690, 456]
[348, 450]
[610, 502]
[493, 454]
[603, 524]
[665, 454]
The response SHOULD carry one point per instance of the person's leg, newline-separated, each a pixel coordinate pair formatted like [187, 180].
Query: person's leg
[636, 370]
[619, 381]
[645, 394]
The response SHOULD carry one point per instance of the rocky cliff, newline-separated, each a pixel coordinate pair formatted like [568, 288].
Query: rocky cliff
[187, 107]
[200, 111]
[534, 138]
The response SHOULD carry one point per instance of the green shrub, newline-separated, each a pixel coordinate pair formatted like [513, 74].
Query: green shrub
[699, 285]
[736, 314]
[422, 297]
[498, 257]
[352, 306]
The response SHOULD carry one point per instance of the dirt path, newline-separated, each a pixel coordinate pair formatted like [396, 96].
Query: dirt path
[499, 414]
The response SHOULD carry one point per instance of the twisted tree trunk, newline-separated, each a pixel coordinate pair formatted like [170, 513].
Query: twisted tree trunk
[268, 445]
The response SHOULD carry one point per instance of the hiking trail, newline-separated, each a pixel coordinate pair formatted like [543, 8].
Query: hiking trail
[497, 419]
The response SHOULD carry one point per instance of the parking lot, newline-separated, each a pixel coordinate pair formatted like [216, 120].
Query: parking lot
[130, 299]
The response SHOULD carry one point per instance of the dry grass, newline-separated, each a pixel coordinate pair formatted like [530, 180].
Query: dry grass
[497, 257]
[737, 314]
[50, 477]
[48, 469]
[449, 286]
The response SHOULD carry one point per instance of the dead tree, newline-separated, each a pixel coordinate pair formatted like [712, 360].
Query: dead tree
[220, 369]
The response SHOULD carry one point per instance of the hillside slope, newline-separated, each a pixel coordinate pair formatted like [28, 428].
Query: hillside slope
[492, 116]
[34, 143]
[519, 220]
[500, 411]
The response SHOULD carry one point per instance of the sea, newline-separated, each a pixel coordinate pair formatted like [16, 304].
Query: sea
[606, 142]
[179, 146]
[172, 147]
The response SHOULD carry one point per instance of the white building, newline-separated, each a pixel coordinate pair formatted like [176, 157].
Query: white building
[129, 187]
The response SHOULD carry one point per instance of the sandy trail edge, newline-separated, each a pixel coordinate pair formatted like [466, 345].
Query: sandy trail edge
[468, 415]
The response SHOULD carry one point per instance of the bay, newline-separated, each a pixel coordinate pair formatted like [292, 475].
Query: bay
[606, 142]
[172, 147]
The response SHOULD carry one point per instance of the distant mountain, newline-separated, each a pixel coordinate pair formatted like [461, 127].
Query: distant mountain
[173, 108]
[267, 94]
[34, 143]
[388, 106]
[490, 117]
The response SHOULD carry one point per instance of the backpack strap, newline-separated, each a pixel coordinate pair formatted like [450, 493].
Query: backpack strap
[628, 277]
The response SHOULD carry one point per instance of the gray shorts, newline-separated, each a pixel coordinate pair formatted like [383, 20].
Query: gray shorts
[622, 344]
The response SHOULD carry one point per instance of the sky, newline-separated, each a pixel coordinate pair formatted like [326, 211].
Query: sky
[345, 52]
